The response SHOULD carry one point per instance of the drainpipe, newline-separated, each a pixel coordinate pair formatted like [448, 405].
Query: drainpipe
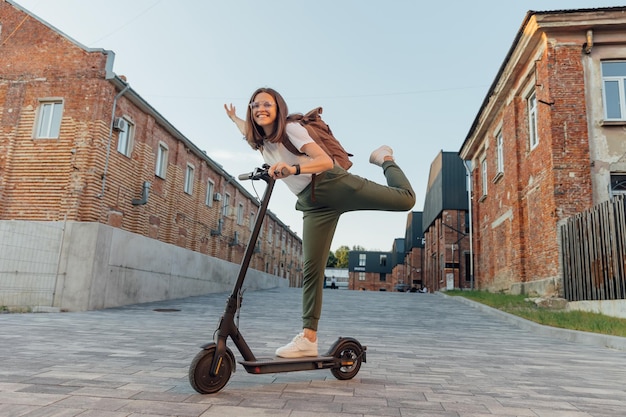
[106, 163]
[469, 201]
[144, 195]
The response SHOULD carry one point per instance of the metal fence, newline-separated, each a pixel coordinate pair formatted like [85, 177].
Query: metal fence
[594, 253]
[29, 263]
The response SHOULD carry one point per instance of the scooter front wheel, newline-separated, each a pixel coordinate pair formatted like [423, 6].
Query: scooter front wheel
[350, 354]
[200, 370]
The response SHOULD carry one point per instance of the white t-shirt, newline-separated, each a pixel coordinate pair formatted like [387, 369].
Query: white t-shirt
[277, 152]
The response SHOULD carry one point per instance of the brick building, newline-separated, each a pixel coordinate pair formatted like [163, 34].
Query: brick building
[445, 223]
[547, 143]
[414, 249]
[77, 143]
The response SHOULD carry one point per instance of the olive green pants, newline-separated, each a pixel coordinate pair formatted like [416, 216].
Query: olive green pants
[333, 193]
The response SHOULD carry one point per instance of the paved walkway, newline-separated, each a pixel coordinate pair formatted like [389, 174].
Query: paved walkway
[427, 355]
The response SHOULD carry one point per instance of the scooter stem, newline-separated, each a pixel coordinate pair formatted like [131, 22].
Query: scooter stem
[227, 327]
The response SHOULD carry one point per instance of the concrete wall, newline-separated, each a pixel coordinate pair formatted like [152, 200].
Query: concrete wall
[101, 267]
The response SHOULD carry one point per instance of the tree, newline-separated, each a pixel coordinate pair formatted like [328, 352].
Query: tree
[332, 260]
[342, 256]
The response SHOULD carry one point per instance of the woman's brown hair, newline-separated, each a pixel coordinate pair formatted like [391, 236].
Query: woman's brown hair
[256, 135]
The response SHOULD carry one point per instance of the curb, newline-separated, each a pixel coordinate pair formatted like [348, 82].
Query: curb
[577, 336]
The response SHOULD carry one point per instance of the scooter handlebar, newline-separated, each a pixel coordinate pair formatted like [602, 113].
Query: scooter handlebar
[257, 174]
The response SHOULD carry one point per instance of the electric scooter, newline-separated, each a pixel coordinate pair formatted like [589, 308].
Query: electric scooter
[211, 368]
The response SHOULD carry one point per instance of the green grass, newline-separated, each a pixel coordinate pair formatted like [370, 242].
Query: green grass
[574, 320]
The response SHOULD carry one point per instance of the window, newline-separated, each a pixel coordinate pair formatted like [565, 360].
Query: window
[161, 161]
[383, 260]
[532, 121]
[614, 90]
[362, 258]
[361, 276]
[499, 153]
[210, 189]
[251, 226]
[226, 205]
[125, 137]
[270, 234]
[189, 179]
[277, 238]
[240, 213]
[49, 119]
[483, 173]
[618, 184]
[382, 277]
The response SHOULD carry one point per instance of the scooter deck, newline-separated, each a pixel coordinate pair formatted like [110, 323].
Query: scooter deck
[276, 364]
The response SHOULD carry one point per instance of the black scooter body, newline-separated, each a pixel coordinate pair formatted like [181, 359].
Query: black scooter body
[211, 368]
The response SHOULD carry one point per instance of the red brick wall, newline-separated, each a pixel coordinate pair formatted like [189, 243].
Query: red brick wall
[81, 176]
[515, 226]
[446, 244]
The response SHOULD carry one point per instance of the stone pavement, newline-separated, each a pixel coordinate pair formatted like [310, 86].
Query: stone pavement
[427, 355]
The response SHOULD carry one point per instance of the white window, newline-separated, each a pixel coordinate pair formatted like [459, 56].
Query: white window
[226, 205]
[499, 153]
[251, 226]
[361, 276]
[483, 173]
[49, 119]
[270, 234]
[240, 213]
[383, 260]
[125, 137]
[362, 258]
[210, 189]
[614, 90]
[161, 161]
[189, 179]
[532, 120]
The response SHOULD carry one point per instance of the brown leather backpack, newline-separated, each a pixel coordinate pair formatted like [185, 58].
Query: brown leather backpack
[322, 135]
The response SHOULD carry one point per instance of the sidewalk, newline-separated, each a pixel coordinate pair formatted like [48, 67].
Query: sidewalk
[427, 355]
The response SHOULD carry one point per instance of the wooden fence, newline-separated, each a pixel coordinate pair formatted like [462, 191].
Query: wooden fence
[594, 253]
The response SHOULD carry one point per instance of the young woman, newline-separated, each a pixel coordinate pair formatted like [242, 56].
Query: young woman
[336, 192]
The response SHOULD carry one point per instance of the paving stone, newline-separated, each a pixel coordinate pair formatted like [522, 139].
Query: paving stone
[427, 355]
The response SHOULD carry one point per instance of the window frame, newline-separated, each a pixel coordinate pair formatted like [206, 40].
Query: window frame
[531, 107]
[225, 204]
[499, 153]
[621, 92]
[162, 157]
[240, 215]
[189, 179]
[483, 178]
[210, 190]
[617, 178]
[125, 146]
[52, 120]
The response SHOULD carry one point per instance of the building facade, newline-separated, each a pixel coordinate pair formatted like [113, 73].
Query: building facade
[78, 143]
[547, 143]
[445, 223]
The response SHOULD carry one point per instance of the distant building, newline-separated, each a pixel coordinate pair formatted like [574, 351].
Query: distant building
[445, 223]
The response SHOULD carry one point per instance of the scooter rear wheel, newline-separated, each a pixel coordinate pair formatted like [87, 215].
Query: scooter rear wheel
[200, 371]
[350, 354]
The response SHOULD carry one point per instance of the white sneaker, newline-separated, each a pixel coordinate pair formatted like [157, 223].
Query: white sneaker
[299, 347]
[378, 156]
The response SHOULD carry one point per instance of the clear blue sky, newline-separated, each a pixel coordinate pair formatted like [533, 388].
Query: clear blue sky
[407, 73]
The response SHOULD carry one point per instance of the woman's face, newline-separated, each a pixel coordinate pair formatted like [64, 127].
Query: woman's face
[263, 110]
